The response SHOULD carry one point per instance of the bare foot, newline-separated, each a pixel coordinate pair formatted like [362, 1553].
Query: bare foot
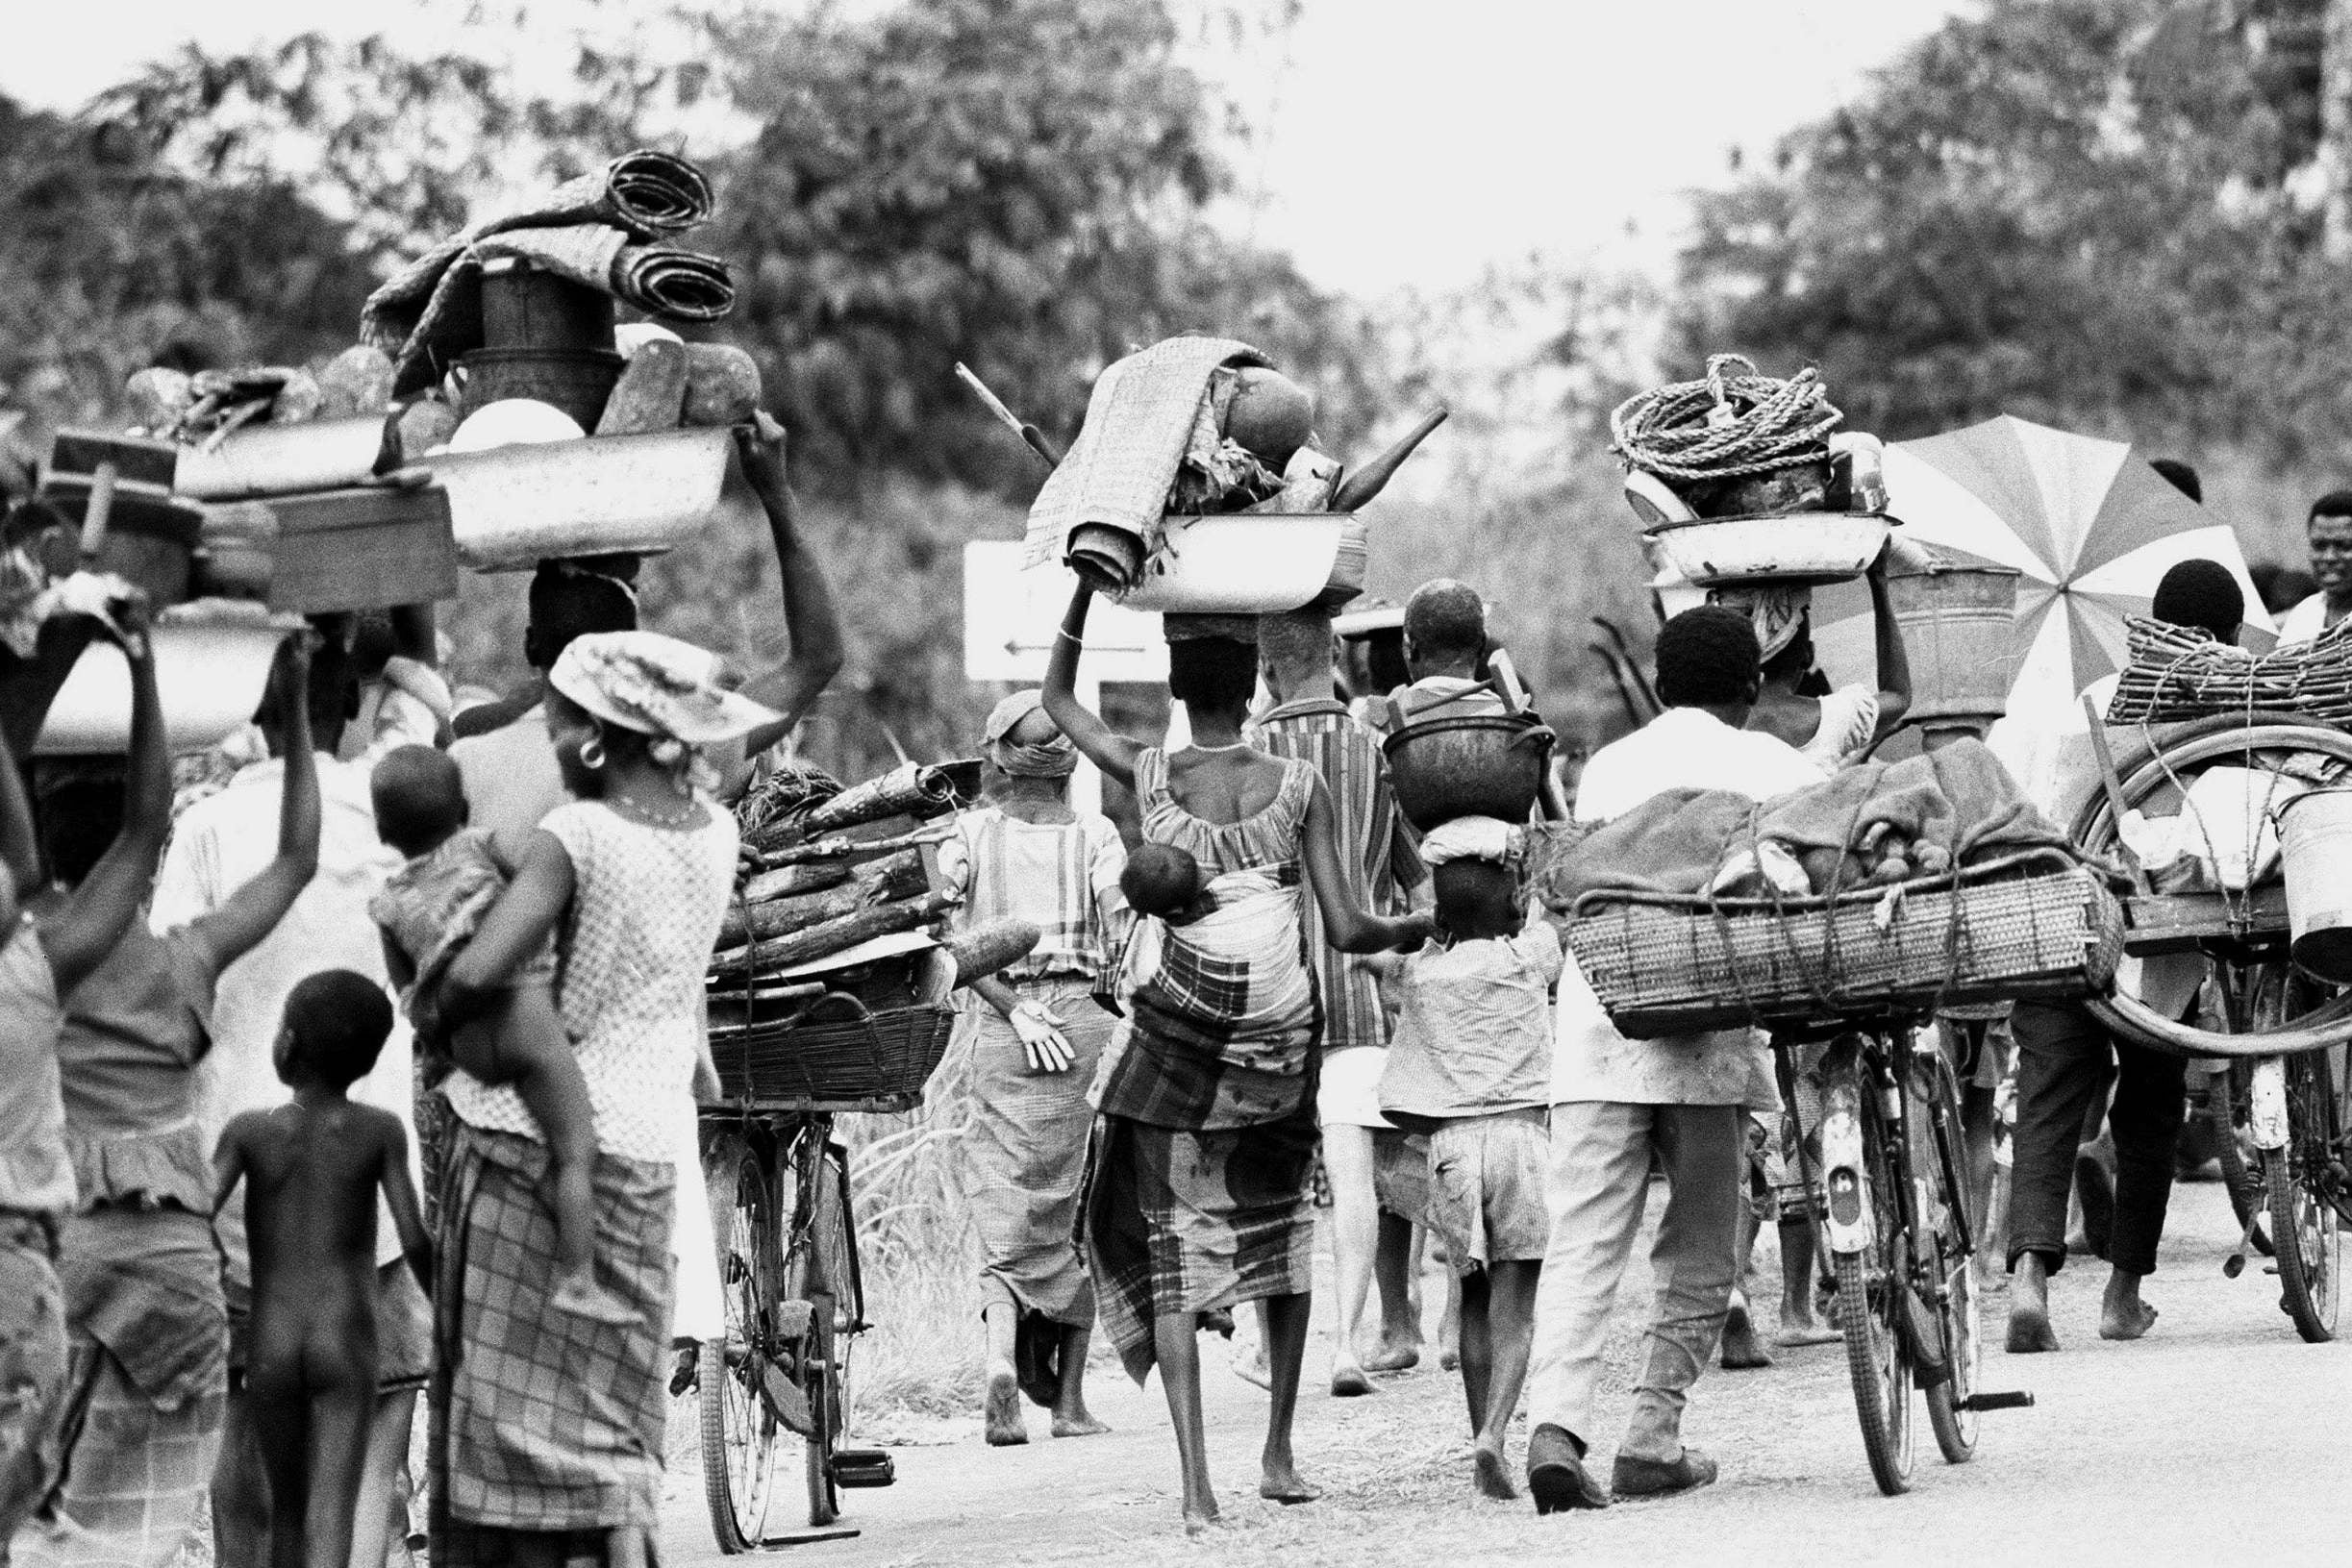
[579, 1295]
[2123, 1314]
[1348, 1381]
[2029, 1309]
[1280, 1483]
[1492, 1475]
[1082, 1424]
[1201, 1520]
[1797, 1328]
[1394, 1355]
[1449, 1360]
[1741, 1352]
[1003, 1426]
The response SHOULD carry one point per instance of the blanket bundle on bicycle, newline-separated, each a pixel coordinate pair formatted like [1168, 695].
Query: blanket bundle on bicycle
[1955, 807]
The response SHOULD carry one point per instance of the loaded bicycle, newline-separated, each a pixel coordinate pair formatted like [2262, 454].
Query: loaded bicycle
[2282, 1026]
[792, 1055]
[1845, 982]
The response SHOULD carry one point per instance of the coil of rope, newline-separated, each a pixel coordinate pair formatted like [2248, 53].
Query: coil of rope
[1726, 425]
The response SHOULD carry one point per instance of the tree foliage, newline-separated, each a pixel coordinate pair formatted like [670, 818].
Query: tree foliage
[2087, 212]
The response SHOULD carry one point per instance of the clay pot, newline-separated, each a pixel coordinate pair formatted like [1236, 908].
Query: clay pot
[1270, 414]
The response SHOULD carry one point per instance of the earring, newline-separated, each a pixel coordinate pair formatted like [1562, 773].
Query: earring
[591, 752]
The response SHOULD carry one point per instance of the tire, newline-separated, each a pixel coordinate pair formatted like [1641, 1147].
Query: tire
[821, 1269]
[1943, 1158]
[1881, 1375]
[2303, 1228]
[738, 1430]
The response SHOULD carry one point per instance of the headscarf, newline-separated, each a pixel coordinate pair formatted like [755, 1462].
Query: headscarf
[1055, 758]
[1778, 611]
[1474, 838]
[656, 685]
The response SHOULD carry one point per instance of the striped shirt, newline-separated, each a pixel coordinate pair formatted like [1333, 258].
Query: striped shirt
[1062, 878]
[1364, 810]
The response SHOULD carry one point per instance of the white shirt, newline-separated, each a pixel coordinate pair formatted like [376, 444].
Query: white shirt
[2306, 621]
[222, 843]
[1683, 748]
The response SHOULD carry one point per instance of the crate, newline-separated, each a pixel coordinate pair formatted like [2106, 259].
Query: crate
[2035, 925]
[367, 548]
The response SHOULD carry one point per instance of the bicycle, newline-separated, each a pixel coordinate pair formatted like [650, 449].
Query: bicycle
[1889, 1218]
[2284, 1031]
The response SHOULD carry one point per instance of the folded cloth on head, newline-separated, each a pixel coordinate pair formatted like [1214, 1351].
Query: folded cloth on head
[1959, 797]
[1140, 423]
[655, 278]
[645, 194]
[1473, 838]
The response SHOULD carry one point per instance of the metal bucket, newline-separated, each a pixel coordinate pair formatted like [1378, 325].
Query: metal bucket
[1958, 627]
[2316, 840]
[1486, 764]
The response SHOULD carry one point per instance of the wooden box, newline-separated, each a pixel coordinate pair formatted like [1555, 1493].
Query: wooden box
[362, 549]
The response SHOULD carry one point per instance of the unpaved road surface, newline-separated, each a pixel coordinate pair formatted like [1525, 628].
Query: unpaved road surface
[2220, 1438]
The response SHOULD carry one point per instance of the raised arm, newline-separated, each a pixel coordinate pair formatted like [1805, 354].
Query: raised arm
[811, 621]
[525, 915]
[84, 931]
[19, 847]
[1893, 661]
[1096, 741]
[1345, 927]
[400, 1196]
[253, 911]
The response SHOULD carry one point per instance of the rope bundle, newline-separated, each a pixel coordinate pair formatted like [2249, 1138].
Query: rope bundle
[2174, 674]
[1726, 425]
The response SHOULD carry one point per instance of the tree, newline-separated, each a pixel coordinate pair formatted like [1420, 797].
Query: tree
[2085, 212]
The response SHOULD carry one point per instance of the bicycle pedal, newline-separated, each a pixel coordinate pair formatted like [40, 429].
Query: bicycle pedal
[863, 1467]
[2015, 1400]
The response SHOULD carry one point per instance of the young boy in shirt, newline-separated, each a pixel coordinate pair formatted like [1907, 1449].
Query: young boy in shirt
[1470, 1064]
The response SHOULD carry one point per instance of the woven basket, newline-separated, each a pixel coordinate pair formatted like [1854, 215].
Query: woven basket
[2037, 924]
[833, 1055]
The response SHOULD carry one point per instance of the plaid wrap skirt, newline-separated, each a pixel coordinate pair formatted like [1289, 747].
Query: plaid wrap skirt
[543, 1423]
[1188, 1221]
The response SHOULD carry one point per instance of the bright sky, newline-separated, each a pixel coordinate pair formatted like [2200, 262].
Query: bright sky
[1404, 142]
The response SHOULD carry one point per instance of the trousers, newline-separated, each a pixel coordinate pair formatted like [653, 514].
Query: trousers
[1597, 1186]
[2063, 1058]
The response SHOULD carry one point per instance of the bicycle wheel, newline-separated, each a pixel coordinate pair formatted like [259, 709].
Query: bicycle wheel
[820, 1269]
[2305, 1230]
[1948, 1260]
[738, 1430]
[1871, 1285]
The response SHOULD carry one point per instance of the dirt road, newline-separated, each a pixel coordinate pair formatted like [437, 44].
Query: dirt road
[2221, 1437]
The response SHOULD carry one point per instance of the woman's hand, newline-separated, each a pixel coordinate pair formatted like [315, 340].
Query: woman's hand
[760, 446]
[1040, 1028]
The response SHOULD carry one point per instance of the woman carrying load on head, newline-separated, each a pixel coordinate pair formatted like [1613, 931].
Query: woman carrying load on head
[547, 1427]
[1197, 1199]
[1035, 1031]
[1832, 726]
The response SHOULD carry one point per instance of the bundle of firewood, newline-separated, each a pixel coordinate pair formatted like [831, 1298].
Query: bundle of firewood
[2175, 674]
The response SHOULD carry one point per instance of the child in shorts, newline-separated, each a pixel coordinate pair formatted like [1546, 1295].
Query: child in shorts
[311, 1169]
[1470, 1064]
[428, 911]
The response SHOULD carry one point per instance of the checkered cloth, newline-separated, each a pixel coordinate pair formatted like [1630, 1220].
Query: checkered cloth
[1187, 1222]
[133, 1473]
[543, 1423]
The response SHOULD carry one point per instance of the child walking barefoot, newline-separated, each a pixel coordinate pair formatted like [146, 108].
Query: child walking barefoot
[428, 910]
[311, 1169]
[1471, 1064]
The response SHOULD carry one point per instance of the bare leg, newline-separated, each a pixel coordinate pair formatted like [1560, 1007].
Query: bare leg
[340, 1419]
[240, 1488]
[379, 1516]
[279, 1415]
[1355, 1238]
[1176, 1347]
[1798, 1325]
[520, 1040]
[1741, 1351]
[1449, 1322]
[1978, 1118]
[1510, 1336]
[1477, 1348]
[1249, 1347]
[1396, 1264]
[1071, 1417]
[2029, 1307]
[1003, 1426]
[1286, 1351]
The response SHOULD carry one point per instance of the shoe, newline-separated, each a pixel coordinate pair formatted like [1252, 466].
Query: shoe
[1556, 1474]
[1644, 1478]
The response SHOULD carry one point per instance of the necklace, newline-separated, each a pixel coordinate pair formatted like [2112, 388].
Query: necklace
[1239, 745]
[655, 817]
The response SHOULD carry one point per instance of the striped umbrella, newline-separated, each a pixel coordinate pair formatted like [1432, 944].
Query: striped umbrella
[2090, 526]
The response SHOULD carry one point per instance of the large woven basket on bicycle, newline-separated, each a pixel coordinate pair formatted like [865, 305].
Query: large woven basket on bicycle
[2032, 925]
[832, 1055]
